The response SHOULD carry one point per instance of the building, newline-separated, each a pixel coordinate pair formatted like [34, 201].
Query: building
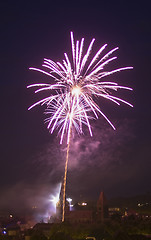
[83, 212]
[79, 216]
[102, 207]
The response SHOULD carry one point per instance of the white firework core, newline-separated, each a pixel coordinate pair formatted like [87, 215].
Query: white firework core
[75, 86]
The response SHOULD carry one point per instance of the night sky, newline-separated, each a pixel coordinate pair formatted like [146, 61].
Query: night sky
[32, 160]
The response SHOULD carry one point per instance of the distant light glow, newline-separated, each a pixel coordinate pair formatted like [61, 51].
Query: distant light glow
[82, 204]
[54, 197]
[34, 207]
[50, 205]
[69, 200]
[54, 200]
[142, 204]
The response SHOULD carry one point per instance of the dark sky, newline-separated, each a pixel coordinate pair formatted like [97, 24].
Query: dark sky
[32, 161]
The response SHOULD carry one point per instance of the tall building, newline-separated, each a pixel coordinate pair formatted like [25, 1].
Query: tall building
[102, 207]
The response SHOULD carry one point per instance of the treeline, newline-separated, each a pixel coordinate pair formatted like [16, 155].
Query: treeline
[111, 229]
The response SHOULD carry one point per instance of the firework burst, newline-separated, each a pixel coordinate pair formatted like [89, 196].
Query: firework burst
[74, 88]
[76, 85]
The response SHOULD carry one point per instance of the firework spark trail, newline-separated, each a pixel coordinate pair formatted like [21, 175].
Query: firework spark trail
[75, 87]
[64, 182]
